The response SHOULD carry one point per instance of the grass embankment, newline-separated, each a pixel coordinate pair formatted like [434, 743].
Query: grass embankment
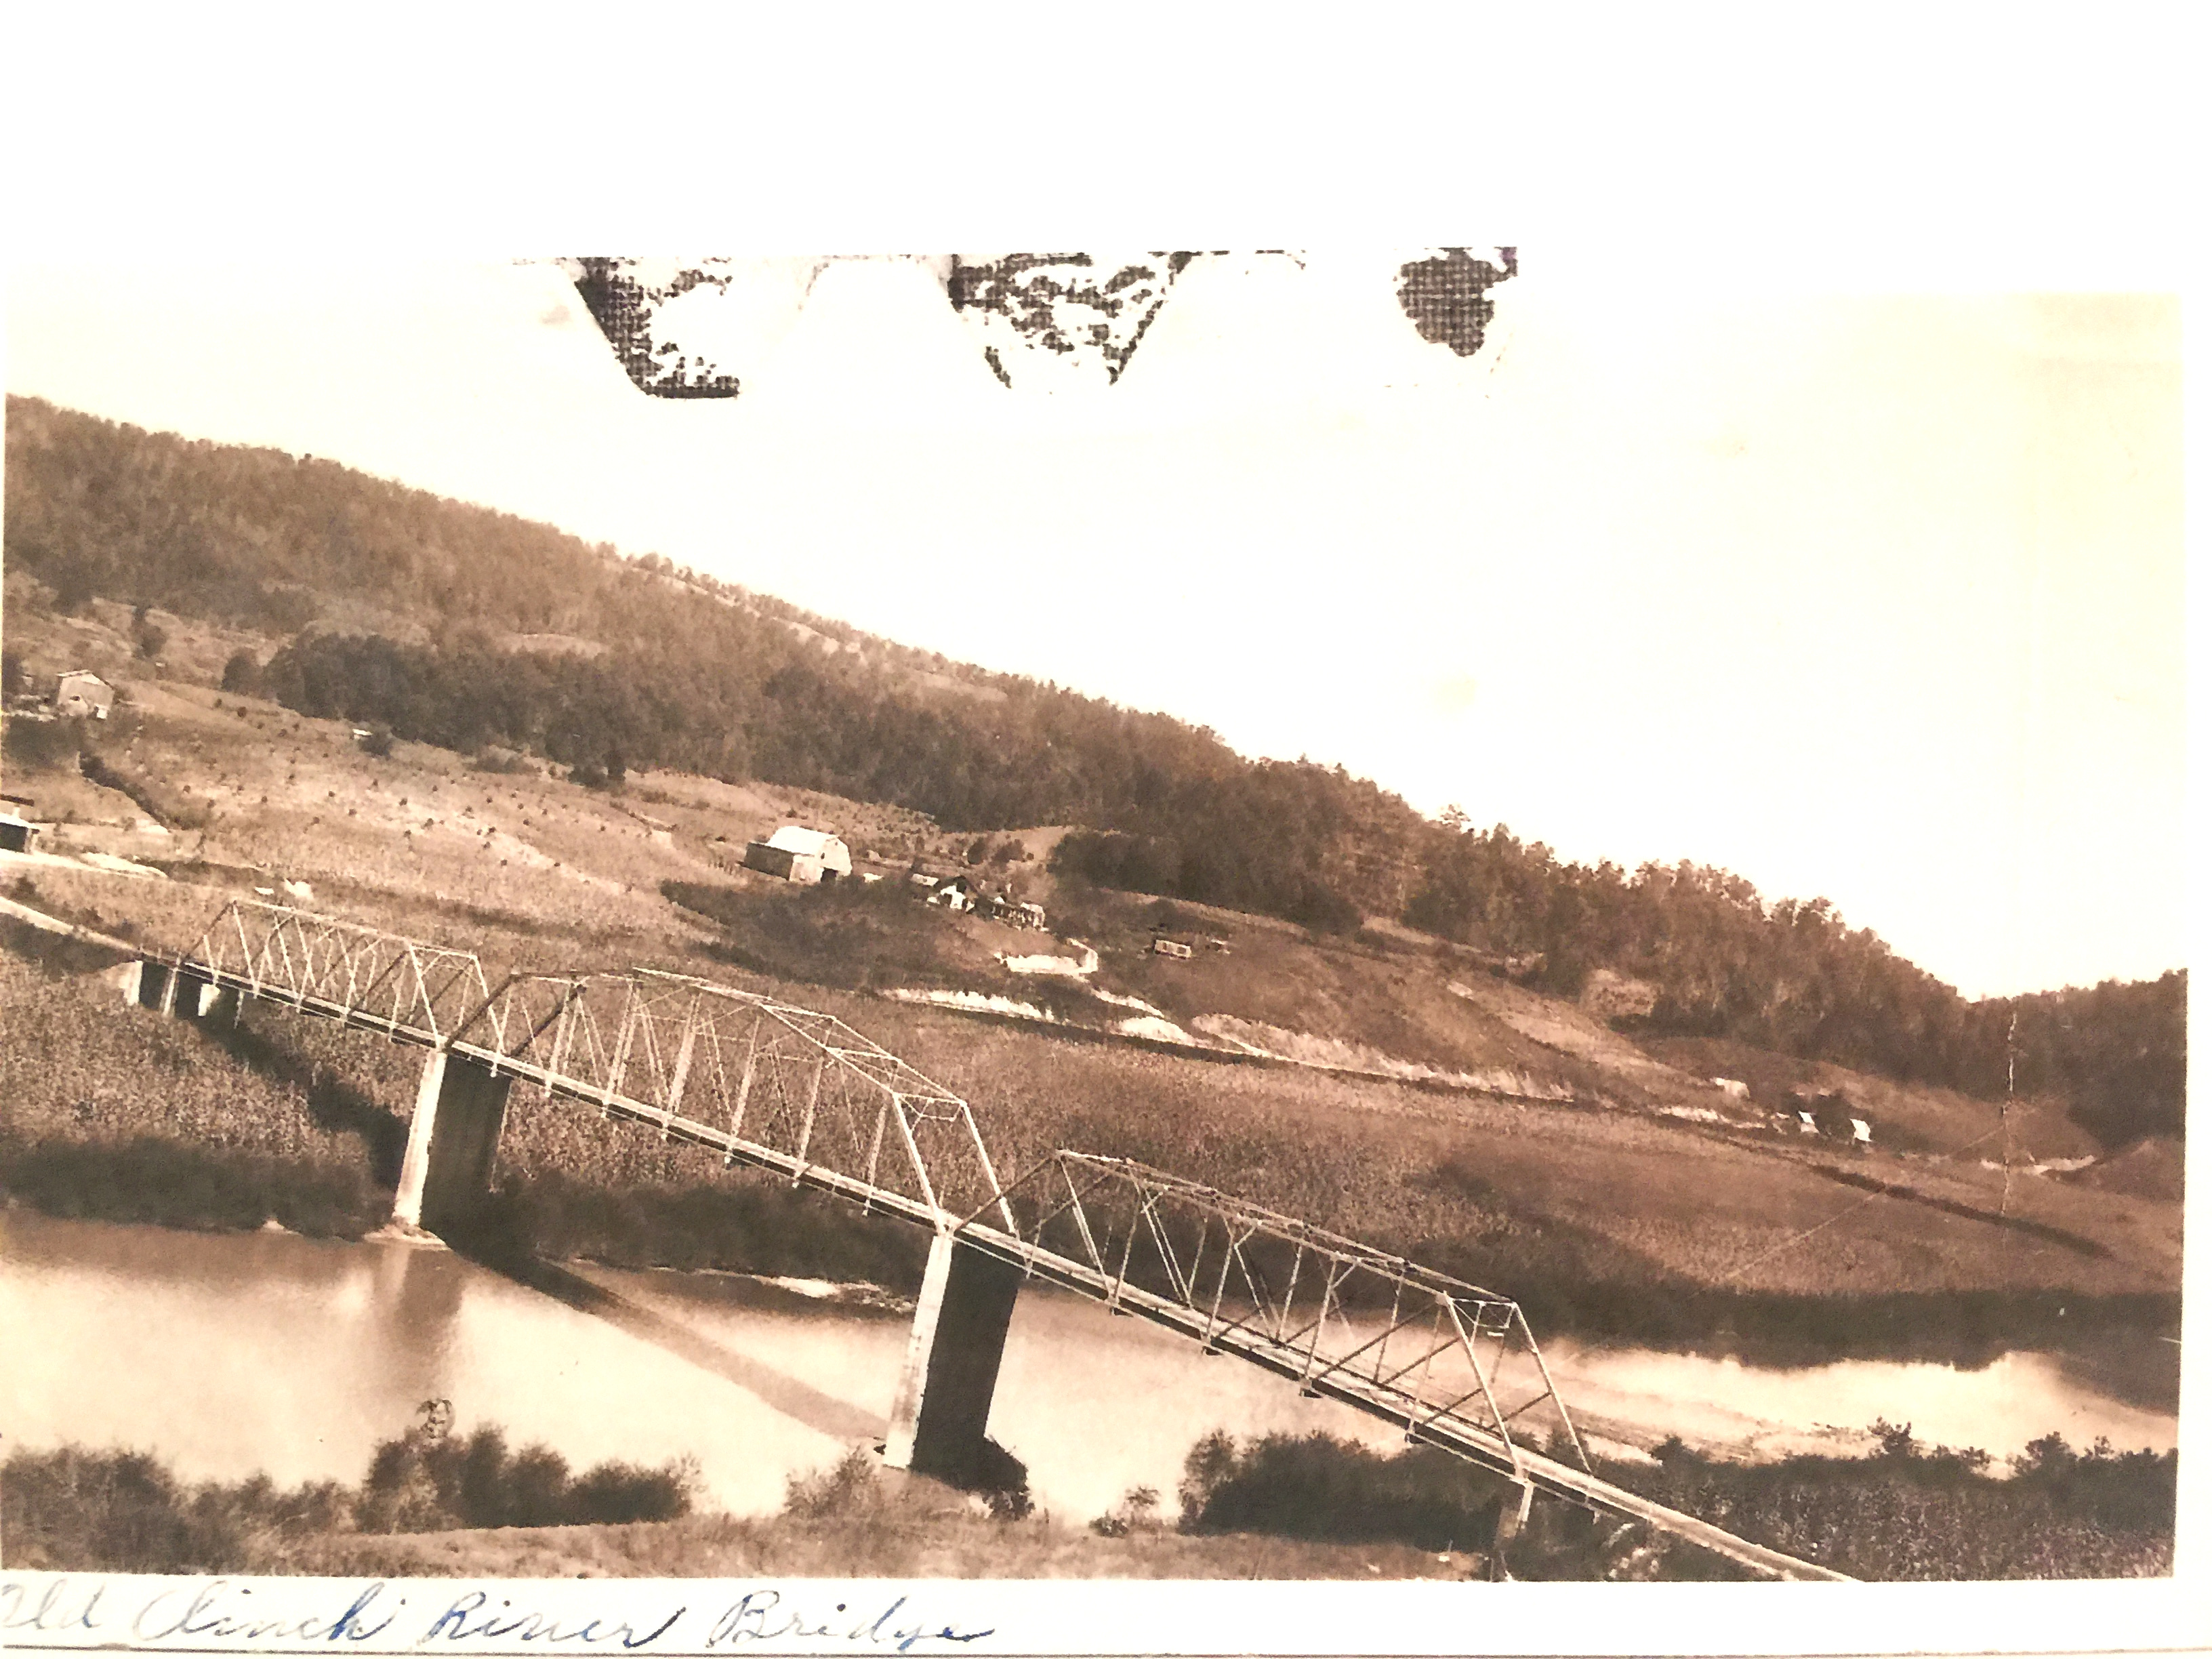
[110, 1113]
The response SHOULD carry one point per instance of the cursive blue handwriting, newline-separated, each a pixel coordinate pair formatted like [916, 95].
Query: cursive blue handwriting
[458, 1623]
[51, 1612]
[762, 1615]
[217, 1609]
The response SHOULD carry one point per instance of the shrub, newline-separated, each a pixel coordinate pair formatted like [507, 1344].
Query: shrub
[42, 745]
[1913, 1512]
[428, 1480]
[242, 674]
[1138, 1511]
[850, 1486]
[1319, 1487]
[75, 1509]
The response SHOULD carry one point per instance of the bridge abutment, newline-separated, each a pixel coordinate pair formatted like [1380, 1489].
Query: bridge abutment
[459, 1109]
[179, 991]
[146, 984]
[944, 1400]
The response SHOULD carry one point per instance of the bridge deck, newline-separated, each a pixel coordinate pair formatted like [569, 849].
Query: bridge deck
[1375, 1395]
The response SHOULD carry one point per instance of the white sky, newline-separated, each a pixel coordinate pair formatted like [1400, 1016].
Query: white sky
[1727, 546]
[1872, 598]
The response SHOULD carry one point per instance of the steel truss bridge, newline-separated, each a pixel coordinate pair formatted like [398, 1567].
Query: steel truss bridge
[803, 1095]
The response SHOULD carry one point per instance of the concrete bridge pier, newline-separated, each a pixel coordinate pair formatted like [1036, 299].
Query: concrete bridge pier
[193, 998]
[944, 1400]
[147, 984]
[1512, 1515]
[179, 991]
[459, 1109]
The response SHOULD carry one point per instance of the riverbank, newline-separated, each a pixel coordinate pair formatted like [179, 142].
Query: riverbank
[74, 1510]
[1276, 1507]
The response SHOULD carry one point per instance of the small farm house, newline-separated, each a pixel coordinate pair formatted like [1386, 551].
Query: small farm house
[800, 854]
[79, 691]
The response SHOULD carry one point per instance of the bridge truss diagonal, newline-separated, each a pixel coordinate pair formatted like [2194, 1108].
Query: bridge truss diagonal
[801, 1094]
[1452, 1362]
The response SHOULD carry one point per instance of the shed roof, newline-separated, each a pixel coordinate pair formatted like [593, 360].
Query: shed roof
[807, 843]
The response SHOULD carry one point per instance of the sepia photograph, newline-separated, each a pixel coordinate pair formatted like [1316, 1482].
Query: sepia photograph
[1388, 916]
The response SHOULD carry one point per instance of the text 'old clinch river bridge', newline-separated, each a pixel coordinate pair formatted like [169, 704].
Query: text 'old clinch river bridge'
[803, 1095]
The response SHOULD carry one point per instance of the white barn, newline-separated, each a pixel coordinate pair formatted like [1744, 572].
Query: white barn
[800, 854]
[82, 692]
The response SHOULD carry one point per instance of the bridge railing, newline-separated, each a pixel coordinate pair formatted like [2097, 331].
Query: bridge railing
[342, 969]
[1453, 1361]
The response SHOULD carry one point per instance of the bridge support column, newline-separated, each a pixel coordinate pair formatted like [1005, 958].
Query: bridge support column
[944, 1398]
[146, 983]
[458, 1112]
[179, 991]
[1512, 1515]
[193, 998]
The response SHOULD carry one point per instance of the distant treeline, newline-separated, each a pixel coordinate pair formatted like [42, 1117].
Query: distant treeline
[408, 611]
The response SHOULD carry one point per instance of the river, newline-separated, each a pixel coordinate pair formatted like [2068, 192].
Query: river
[229, 1354]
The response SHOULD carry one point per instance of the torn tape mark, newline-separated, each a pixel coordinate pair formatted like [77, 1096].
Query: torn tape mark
[684, 328]
[1055, 319]
[700, 327]
[1447, 295]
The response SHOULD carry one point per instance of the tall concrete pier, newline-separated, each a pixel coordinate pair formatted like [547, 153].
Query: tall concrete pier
[459, 1109]
[943, 1404]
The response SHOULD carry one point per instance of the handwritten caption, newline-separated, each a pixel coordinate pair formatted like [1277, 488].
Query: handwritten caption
[380, 1616]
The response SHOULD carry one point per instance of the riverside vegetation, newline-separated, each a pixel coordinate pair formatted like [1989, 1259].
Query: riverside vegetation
[1276, 1506]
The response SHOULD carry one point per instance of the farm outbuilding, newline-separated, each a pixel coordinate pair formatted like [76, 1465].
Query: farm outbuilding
[957, 894]
[17, 835]
[800, 854]
[80, 691]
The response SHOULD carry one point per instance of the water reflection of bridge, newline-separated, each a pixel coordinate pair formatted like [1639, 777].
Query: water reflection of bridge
[802, 1095]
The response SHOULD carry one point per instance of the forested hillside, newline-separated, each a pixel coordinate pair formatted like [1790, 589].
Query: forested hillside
[434, 618]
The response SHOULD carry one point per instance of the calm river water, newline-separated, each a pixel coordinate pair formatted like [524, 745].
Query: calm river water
[232, 1354]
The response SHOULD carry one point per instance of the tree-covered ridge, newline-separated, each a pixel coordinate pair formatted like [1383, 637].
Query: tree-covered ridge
[416, 611]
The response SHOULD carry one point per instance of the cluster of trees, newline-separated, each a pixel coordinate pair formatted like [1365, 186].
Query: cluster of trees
[1791, 975]
[455, 625]
[79, 1510]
